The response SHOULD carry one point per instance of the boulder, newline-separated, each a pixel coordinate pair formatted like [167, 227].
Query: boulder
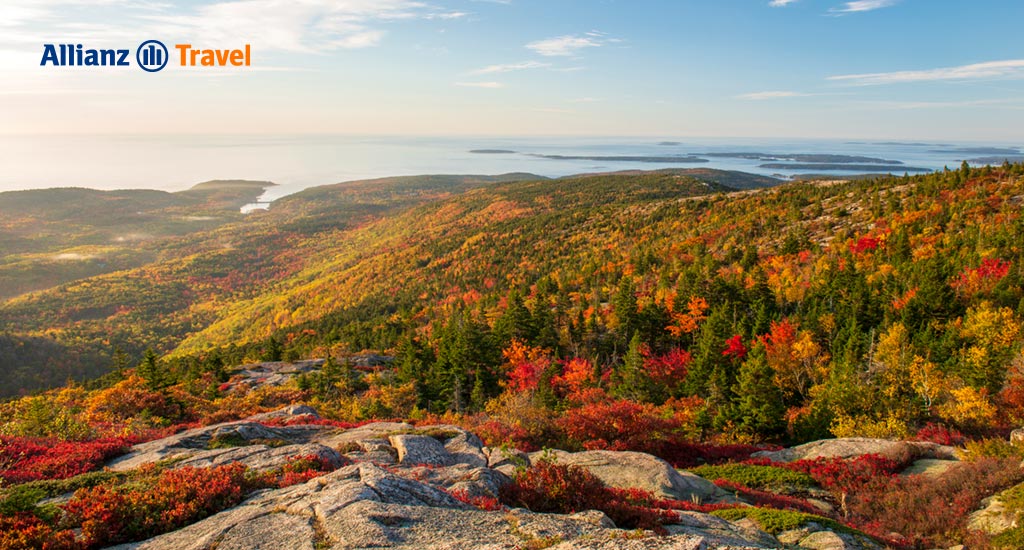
[196, 442]
[994, 517]
[261, 457]
[625, 469]
[850, 447]
[420, 449]
[292, 412]
[929, 467]
[724, 532]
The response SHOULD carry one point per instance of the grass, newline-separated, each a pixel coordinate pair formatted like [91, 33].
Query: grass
[776, 521]
[758, 477]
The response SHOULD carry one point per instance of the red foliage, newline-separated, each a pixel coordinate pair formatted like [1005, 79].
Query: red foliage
[23, 530]
[930, 511]
[938, 433]
[735, 348]
[620, 426]
[177, 498]
[983, 278]
[488, 504]
[669, 369]
[864, 244]
[767, 499]
[29, 459]
[848, 476]
[565, 489]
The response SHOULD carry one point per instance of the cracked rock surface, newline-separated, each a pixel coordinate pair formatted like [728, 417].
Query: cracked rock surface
[396, 492]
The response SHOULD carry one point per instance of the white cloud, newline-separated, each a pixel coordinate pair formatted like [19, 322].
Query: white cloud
[863, 5]
[509, 67]
[780, 3]
[491, 85]
[570, 44]
[759, 96]
[270, 25]
[1012, 68]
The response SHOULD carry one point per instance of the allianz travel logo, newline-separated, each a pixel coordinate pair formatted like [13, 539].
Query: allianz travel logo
[150, 56]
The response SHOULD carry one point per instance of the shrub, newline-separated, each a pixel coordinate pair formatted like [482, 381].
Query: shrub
[29, 459]
[486, 503]
[848, 476]
[759, 477]
[938, 433]
[932, 510]
[176, 498]
[564, 489]
[777, 521]
[22, 531]
[764, 498]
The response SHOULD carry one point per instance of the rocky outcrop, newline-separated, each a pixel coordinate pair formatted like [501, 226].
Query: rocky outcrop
[850, 447]
[397, 488]
[365, 506]
[642, 471]
[995, 517]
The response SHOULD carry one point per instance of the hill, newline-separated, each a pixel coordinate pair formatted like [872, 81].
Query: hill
[870, 325]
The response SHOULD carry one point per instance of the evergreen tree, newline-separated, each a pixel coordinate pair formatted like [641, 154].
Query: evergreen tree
[150, 369]
[758, 406]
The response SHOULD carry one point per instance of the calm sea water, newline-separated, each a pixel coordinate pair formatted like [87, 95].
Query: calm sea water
[296, 162]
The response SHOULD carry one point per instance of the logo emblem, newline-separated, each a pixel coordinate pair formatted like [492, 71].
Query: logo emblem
[151, 56]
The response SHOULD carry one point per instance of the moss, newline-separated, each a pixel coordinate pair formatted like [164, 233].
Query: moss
[25, 497]
[776, 521]
[228, 441]
[1014, 538]
[758, 477]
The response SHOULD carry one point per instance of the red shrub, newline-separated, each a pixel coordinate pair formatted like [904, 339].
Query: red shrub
[735, 348]
[563, 489]
[177, 498]
[488, 504]
[932, 511]
[767, 499]
[620, 426]
[938, 433]
[22, 531]
[29, 459]
[847, 476]
[981, 279]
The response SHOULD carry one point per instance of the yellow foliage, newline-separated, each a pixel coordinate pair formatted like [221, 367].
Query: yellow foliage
[969, 408]
[890, 427]
[990, 327]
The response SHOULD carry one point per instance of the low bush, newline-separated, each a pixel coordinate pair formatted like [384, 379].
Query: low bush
[755, 476]
[565, 489]
[29, 459]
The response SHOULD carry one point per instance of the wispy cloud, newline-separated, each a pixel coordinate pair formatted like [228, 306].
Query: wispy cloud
[480, 84]
[585, 100]
[509, 67]
[863, 5]
[903, 105]
[760, 96]
[780, 3]
[270, 25]
[571, 44]
[1012, 68]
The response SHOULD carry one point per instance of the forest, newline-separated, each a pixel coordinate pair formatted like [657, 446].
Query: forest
[661, 311]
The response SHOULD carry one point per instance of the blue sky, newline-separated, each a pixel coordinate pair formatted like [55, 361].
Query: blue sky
[896, 69]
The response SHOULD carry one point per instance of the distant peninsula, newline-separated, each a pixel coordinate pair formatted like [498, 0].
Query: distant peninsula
[658, 159]
[493, 152]
[835, 167]
[804, 157]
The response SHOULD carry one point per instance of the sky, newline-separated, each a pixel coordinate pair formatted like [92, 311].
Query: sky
[885, 69]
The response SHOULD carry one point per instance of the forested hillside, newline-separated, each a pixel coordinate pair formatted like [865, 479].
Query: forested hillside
[861, 307]
[658, 312]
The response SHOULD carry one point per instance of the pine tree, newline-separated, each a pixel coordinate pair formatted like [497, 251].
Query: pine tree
[758, 405]
[154, 374]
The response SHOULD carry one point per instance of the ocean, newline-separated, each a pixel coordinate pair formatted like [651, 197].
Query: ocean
[175, 163]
